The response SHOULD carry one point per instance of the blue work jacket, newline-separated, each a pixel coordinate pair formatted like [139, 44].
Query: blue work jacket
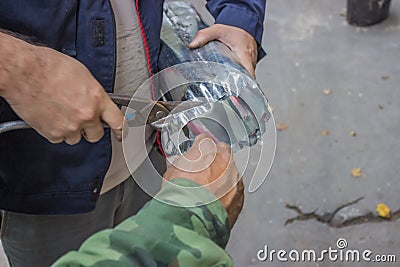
[37, 177]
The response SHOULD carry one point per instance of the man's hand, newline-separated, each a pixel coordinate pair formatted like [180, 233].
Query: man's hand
[243, 45]
[54, 93]
[212, 166]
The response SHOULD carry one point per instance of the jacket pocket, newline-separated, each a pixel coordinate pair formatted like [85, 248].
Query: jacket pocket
[51, 23]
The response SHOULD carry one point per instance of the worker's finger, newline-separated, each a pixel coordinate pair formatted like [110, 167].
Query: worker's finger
[55, 140]
[199, 157]
[114, 118]
[192, 154]
[73, 138]
[249, 67]
[52, 136]
[248, 60]
[223, 159]
[225, 151]
[204, 36]
[203, 144]
[199, 138]
[93, 133]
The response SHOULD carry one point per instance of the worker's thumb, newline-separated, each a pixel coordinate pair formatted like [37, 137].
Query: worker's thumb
[204, 36]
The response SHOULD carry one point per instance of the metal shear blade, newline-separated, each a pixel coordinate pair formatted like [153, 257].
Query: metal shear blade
[143, 111]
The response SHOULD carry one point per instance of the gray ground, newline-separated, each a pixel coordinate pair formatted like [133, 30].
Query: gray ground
[311, 49]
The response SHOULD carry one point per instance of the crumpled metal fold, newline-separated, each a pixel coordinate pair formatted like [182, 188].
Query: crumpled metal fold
[235, 110]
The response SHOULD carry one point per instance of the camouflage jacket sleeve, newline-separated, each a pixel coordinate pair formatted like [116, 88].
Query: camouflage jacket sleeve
[162, 234]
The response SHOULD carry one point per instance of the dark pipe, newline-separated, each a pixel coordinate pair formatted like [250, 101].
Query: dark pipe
[367, 12]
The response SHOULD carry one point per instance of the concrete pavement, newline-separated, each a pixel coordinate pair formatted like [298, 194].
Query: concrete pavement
[322, 74]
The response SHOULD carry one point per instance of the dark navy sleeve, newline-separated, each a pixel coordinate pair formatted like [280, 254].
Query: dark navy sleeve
[245, 14]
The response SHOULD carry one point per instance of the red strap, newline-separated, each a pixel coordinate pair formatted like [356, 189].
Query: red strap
[148, 57]
[146, 46]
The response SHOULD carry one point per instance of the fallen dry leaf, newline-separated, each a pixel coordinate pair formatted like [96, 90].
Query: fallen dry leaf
[281, 126]
[353, 133]
[327, 92]
[325, 133]
[383, 211]
[356, 172]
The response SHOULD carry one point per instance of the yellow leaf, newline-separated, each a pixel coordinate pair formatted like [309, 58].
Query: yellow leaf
[356, 172]
[281, 126]
[383, 211]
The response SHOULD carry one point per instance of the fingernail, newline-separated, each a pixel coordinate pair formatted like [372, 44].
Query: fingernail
[194, 43]
[118, 135]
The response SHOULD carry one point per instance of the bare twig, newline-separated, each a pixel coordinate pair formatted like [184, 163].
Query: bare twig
[327, 217]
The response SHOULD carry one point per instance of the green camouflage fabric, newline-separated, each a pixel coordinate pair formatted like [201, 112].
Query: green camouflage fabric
[162, 235]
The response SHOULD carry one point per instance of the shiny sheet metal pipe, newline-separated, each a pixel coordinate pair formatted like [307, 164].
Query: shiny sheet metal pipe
[237, 110]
